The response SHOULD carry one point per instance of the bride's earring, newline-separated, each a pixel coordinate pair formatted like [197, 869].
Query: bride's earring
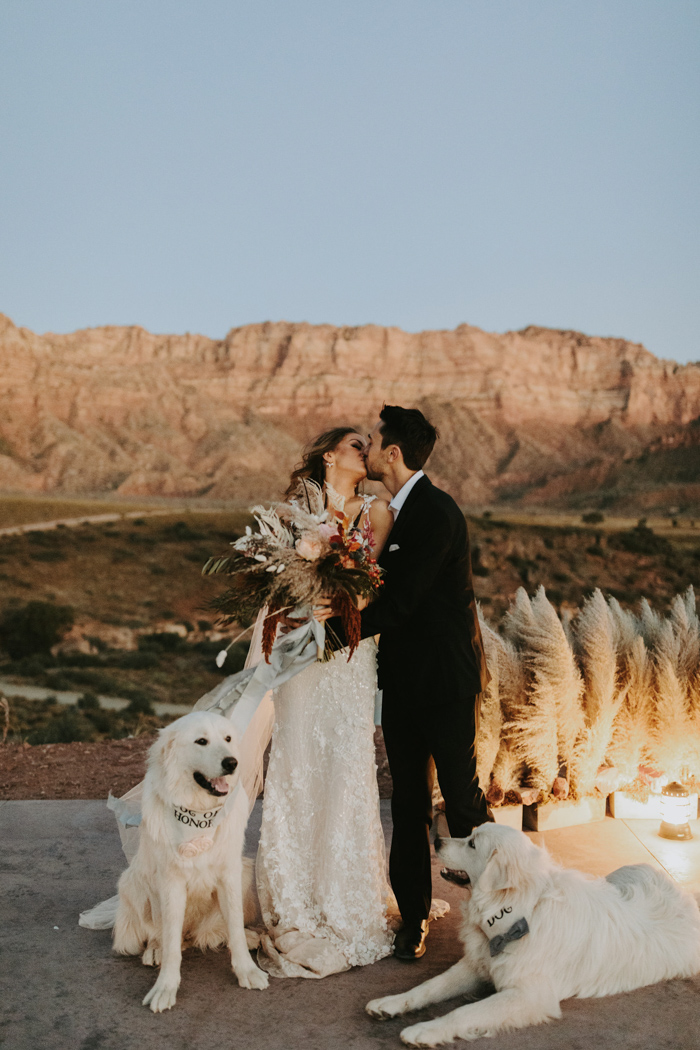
[334, 498]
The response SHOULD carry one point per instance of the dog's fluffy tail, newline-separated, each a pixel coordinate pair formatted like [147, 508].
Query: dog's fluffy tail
[132, 929]
[251, 905]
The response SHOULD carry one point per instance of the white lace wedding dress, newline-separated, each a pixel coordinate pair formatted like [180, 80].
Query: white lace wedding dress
[321, 869]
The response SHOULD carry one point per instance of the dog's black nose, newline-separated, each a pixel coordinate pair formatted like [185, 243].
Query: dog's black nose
[228, 764]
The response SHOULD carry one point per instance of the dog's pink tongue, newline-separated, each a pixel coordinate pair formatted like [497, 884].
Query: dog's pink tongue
[220, 784]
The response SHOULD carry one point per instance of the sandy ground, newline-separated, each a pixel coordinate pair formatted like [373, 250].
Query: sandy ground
[91, 771]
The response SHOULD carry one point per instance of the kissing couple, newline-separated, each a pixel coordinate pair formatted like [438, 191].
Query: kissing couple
[321, 871]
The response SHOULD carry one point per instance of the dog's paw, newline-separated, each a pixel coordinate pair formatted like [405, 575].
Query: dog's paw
[252, 978]
[389, 1006]
[161, 997]
[424, 1034]
[151, 957]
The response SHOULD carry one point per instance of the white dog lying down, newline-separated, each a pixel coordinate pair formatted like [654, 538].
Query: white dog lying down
[539, 933]
[186, 882]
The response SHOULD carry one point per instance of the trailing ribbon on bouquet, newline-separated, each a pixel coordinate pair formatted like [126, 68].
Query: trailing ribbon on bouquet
[239, 695]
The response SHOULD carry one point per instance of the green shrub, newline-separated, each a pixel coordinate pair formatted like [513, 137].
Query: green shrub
[640, 540]
[236, 658]
[96, 678]
[200, 557]
[140, 704]
[32, 666]
[166, 641]
[141, 660]
[122, 554]
[61, 681]
[107, 722]
[34, 628]
[523, 566]
[180, 531]
[207, 647]
[43, 539]
[48, 555]
[143, 538]
[71, 725]
[76, 659]
[478, 568]
[88, 702]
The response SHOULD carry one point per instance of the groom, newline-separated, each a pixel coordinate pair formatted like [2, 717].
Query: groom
[431, 661]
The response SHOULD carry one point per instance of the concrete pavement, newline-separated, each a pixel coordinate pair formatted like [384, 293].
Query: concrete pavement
[65, 990]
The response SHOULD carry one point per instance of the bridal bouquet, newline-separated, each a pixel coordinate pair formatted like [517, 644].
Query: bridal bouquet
[297, 555]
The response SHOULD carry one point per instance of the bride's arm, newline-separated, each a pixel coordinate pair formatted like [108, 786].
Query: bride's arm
[382, 522]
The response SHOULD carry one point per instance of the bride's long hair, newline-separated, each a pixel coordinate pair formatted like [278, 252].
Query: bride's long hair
[312, 466]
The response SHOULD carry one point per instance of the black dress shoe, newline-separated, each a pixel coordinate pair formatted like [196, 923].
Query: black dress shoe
[410, 940]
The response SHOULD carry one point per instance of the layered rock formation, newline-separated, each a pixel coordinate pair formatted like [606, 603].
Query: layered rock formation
[535, 415]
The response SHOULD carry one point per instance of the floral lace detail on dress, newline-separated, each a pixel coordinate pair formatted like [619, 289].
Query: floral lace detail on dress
[321, 867]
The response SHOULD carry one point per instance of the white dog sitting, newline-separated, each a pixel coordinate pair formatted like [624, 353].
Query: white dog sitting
[186, 882]
[539, 933]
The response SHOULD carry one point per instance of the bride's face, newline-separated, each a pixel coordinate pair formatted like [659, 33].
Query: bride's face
[348, 458]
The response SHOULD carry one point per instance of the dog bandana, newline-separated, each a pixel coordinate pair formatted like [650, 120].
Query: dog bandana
[193, 832]
[501, 931]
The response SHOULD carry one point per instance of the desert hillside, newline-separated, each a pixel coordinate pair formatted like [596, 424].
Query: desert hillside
[532, 417]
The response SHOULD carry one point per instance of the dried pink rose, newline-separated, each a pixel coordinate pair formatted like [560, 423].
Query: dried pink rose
[309, 547]
[193, 847]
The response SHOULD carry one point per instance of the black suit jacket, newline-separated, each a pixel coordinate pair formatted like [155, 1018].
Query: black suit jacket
[430, 650]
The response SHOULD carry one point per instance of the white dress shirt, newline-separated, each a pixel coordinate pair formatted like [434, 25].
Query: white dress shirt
[402, 495]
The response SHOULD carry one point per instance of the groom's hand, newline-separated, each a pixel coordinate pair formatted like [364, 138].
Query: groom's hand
[289, 623]
[323, 610]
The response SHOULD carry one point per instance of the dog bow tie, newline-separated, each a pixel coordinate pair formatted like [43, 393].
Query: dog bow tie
[516, 931]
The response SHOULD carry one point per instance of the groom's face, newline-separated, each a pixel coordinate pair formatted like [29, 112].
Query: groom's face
[375, 456]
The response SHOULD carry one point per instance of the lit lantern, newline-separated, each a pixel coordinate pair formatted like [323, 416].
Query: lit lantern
[675, 812]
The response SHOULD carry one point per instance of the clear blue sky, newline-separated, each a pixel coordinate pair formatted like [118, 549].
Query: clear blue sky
[193, 166]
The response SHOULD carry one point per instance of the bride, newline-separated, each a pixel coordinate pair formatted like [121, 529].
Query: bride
[320, 868]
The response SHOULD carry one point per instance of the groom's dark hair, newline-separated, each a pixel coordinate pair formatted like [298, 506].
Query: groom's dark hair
[410, 430]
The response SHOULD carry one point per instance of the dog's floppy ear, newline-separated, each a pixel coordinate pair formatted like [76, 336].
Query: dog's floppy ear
[513, 864]
[500, 873]
[161, 751]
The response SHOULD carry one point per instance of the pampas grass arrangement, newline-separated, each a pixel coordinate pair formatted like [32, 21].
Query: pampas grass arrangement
[604, 695]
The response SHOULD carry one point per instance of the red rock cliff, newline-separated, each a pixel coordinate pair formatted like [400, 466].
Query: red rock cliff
[536, 414]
